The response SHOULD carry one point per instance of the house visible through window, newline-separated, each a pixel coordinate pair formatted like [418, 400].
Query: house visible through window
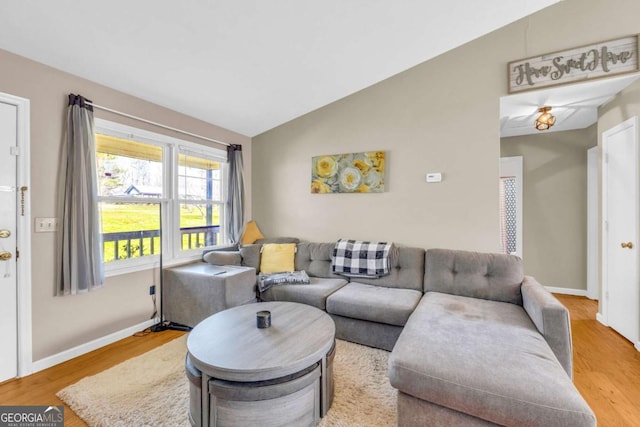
[152, 187]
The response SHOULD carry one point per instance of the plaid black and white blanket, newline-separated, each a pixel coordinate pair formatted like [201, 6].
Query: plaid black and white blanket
[361, 259]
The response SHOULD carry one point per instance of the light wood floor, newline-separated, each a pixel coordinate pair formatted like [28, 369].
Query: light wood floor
[606, 369]
[41, 387]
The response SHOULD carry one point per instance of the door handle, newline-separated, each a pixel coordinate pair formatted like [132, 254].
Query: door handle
[627, 245]
[5, 256]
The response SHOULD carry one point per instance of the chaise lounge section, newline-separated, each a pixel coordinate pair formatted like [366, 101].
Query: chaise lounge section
[485, 346]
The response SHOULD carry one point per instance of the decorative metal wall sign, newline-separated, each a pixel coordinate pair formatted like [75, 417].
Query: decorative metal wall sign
[599, 60]
[348, 173]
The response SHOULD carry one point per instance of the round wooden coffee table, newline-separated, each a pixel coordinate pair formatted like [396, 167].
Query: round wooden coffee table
[280, 375]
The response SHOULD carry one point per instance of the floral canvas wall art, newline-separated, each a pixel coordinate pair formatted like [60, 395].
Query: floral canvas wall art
[348, 173]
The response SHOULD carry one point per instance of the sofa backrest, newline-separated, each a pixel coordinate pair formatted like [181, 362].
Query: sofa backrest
[407, 266]
[496, 277]
[315, 259]
[407, 270]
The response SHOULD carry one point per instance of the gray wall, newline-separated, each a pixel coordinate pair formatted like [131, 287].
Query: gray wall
[61, 323]
[554, 204]
[441, 116]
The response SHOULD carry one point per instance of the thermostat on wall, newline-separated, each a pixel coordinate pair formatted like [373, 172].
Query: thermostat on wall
[434, 177]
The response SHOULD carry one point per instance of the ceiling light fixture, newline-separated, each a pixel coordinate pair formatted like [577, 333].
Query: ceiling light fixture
[546, 119]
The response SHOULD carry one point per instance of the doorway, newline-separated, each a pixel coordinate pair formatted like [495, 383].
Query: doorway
[15, 236]
[620, 275]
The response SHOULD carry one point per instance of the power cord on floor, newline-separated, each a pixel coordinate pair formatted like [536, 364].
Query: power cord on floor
[147, 331]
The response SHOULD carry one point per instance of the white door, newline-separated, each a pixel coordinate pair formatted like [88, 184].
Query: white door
[8, 278]
[620, 228]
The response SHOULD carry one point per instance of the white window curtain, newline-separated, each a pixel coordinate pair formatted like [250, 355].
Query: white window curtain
[79, 250]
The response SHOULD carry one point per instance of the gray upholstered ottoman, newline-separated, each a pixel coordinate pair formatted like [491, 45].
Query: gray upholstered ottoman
[195, 291]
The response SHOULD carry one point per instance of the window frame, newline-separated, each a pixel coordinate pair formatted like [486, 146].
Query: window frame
[169, 202]
[177, 201]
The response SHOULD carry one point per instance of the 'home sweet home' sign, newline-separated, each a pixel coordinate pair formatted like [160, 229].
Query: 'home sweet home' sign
[583, 63]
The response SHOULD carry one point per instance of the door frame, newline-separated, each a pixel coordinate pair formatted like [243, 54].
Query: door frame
[632, 122]
[514, 166]
[593, 224]
[23, 229]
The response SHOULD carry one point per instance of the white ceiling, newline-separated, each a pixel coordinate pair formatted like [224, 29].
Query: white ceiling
[246, 65]
[575, 106]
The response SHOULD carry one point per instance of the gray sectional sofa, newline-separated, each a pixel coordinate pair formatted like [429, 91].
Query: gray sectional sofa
[473, 341]
[369, 311]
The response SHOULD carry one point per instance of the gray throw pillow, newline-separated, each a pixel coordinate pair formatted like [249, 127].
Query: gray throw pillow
[223, 258]
[251, 256]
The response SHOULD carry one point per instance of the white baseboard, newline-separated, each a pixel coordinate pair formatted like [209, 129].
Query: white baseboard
[600, 319]
[637, 346]
[55, 359]
[567, 291]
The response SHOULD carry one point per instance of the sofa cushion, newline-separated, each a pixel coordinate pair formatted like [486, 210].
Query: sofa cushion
[478, 275]
[374, 303]
[487, 359]
[315, 293]
[407, 270]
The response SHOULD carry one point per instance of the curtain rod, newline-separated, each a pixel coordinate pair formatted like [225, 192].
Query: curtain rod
[140, 119]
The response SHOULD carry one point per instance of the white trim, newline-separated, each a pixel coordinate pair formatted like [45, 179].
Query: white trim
[160, 125]
[637, 346]
[154, 137]
[567, 291]
[153, 265]
[600, 319]
[69, 354]
[23, 227]
[593, 224]
[513, 166]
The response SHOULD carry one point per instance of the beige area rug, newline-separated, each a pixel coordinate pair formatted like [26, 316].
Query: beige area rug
[152, 390]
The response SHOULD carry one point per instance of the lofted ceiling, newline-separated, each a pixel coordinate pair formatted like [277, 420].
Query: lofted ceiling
[246, 65]
[575, 106]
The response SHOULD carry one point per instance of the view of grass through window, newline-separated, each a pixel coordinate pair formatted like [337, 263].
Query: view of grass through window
[130, 180]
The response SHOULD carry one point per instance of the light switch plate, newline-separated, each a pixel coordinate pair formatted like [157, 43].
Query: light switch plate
[46, 225]
[434, 177]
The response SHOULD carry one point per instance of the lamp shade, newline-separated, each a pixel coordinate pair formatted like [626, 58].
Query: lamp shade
[545, 120]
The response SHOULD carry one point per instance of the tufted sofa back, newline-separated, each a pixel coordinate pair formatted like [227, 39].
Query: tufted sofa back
[407, 270]
[315, 259]
[407, 266]
[494, 277]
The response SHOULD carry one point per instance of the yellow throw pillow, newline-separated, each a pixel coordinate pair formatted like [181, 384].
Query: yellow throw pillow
[251, 234]
[277, 257]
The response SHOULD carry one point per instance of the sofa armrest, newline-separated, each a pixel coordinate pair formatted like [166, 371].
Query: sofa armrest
[552, 320]
[222, 248]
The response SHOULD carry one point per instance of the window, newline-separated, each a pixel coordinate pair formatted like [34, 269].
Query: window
[156, 192]
[200, 200]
